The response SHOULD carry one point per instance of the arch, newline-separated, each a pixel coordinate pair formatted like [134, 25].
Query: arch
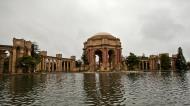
[103, 51]
[5, 58]
[111, 57]
[98, 58]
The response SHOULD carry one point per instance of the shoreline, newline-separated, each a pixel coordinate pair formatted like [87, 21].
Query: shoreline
[88, 72]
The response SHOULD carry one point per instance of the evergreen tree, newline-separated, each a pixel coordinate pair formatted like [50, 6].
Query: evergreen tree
[78, 63]
[27, 63]
[180, 61]
[84, 58]
[165, 61]
[132, 61]
[188, 65]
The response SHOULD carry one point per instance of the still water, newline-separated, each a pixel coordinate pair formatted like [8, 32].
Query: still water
[84, 89]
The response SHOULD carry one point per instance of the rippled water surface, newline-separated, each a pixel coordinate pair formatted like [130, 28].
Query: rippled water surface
[73, 89]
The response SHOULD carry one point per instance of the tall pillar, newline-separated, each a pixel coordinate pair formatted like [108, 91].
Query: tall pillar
[71, 66]
[60, 63]
[1, 63]
[49, 66]
[29, 52]
[64, 66]
[42, 64]
[57, 65]
[139, 65]
[68, 66]
[104, 54]
[10, 61]
[21, 52]
[142, 65]
[115, 58]
[53, 65]
[92, 60]
[45, 64]
[14, 60]
[146, 65]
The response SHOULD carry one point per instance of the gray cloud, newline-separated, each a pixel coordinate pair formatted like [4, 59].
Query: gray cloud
[61, 26]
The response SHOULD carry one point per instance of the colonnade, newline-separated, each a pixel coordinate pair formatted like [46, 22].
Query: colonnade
[56, 64]
[110, 58]
[144, 65]
[154, 62]
[19, 49]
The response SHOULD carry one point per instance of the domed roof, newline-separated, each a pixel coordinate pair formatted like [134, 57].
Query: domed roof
[102, 35]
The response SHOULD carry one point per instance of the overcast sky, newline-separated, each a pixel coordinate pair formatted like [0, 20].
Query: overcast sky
[61, 26]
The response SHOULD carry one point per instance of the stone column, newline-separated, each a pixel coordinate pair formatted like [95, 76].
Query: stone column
[68, 66]
[104, 62]
[49, 66]
[146, 65]
[142, 65]
[71, 65]
[21, 52]
[74, 65]
[53, 64]
[64, 66]
[29, 52]
[10, 61]
[45, 64]
[1, 63]
[60, 63]
[139, 65]
[115, 57]
[57, 65]
[14, 60]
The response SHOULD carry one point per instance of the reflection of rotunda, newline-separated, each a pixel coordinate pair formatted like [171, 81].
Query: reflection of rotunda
[103, 52]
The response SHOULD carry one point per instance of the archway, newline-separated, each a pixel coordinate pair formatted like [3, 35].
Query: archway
[6, 62]
[111, 58]
[103, 51]
[98, 59]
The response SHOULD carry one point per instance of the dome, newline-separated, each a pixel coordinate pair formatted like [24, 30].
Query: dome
[102, 35]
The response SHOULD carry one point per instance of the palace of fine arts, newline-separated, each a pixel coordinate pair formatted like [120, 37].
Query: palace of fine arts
[94, 53]
[101, 52]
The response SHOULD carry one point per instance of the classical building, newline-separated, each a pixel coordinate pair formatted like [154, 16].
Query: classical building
[103, 52]
[9, 54]
[153, 62]
[56, 64]
[19, 49]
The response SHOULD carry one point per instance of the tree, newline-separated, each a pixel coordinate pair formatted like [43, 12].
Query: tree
[27, 63]
[132, 61]
[188, 65]
[84, 58]
[78, 63]
[180, 61]
[35, 53]
[165, 61]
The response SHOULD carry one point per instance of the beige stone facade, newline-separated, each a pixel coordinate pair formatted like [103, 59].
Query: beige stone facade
[22, 48]
[153, 63]
[56, 64]
[19, 49]
[103, 50]
[107, 49]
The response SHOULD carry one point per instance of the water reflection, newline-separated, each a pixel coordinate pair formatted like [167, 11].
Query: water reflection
[103, 89]
[21, 89]
[64, 89]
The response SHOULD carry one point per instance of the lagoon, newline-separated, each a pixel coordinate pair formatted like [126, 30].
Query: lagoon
[106, 88]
